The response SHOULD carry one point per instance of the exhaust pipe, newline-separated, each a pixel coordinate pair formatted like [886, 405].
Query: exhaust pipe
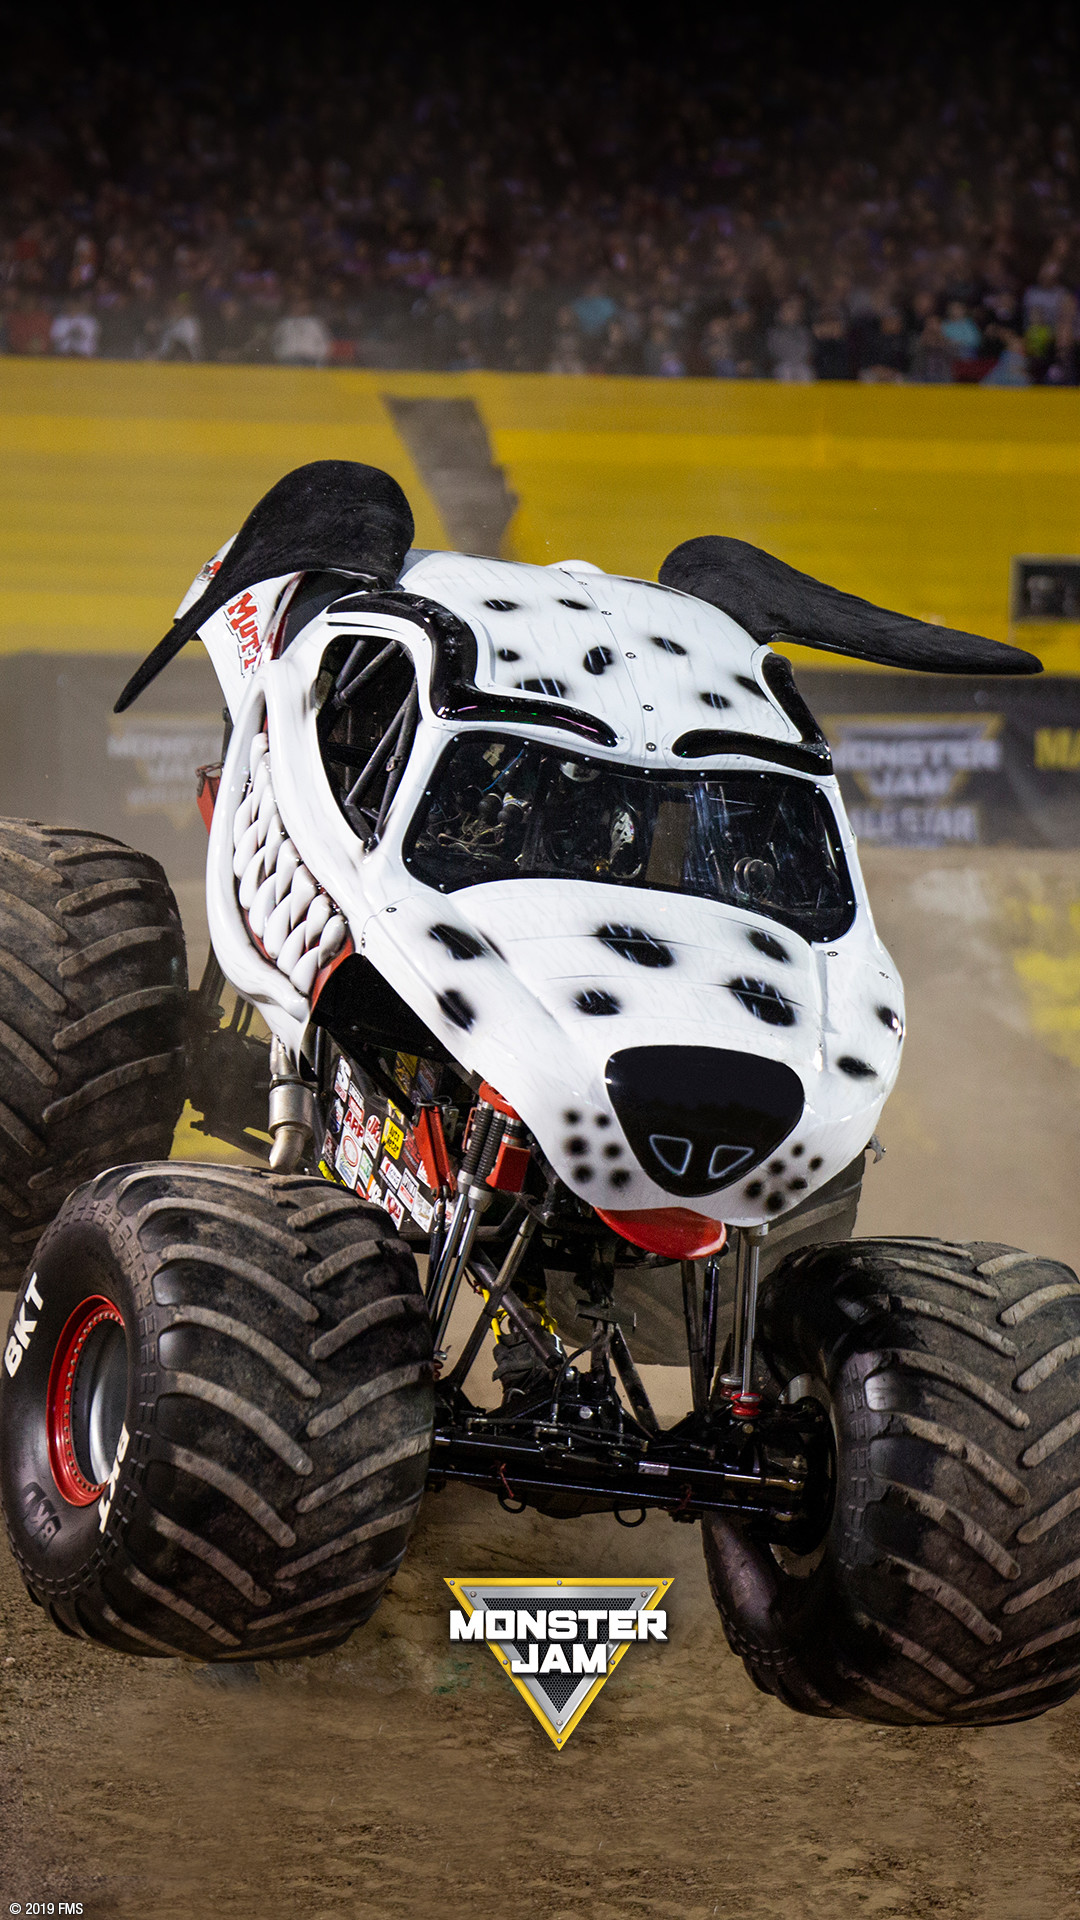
[291, 1122]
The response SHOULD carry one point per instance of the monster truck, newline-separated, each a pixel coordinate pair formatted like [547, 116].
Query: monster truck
[540, 883]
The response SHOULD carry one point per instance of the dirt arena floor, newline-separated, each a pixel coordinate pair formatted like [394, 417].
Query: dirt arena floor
[398, 1778]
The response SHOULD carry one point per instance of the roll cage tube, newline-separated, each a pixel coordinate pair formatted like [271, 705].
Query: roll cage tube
[499, 807]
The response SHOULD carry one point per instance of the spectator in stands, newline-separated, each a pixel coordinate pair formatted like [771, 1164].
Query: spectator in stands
[883, 348]
[228, 333]
[454, 216]
[567, 355]
[1011, 367]
[301, 337]
[718, 349]
[832, 356]
[662, 356]
[181, 336]
[76, 331]
[962, 335]
[1049, 316]
[122, 333]
[932, 359]
[790, 344]
[595, 310]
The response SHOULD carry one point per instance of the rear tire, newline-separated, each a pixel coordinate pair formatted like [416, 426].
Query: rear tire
[945, 1587]
[215, 1412]
[93, 998]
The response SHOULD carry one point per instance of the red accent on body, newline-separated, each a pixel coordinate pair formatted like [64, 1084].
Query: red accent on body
[676, 1231]
[493, 1099]
[242, 619]
[511, 1166]
[71, 1481]
[208, 781]
[434, 1154]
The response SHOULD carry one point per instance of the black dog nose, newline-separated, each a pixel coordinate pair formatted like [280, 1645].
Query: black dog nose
[698, 1117]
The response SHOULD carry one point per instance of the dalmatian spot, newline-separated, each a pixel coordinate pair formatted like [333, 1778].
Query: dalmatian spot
[594, 1000]
[717, 700]
[815, 1163]
[507, 653]
[576, 606]
[603, 1120]
[797, 1152]
[576, 1145]
[767, 944]
[796, 1186]
[890, 1019]
[621, 1177]
[776, 1166]
[612, 1151]
[632, 943]
[556, 688]
[774, 1203]
[764, 1001]
[582, 1174]
[462, 945]
[503, 606]
[665, 645]
[597, 659]
[748, 685]
[755, 1189]
[572, 1118]
[855, 1069]
[457, 1009]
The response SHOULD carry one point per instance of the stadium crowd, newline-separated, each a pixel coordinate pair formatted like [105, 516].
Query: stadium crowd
[734, 207]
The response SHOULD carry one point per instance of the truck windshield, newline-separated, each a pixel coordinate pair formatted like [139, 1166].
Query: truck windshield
[500, 808]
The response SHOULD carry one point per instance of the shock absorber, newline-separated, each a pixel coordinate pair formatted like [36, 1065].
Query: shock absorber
[738, 1385]
[487, 1129]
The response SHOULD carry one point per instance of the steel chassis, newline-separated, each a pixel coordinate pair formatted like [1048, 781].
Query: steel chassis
[566, 1441]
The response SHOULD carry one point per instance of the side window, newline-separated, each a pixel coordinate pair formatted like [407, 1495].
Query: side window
[368, 709]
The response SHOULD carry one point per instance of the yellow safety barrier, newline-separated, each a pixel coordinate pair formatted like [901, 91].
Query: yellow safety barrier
[118, 479]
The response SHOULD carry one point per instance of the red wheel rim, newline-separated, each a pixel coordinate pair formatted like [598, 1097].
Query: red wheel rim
[71, 1481]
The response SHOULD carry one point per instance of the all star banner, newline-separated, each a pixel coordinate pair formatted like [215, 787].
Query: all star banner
[559, 1640]
[926, 761]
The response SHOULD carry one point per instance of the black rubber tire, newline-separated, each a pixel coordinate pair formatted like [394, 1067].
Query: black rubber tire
[276, 1386]
[946, 1588]
[93, 1003]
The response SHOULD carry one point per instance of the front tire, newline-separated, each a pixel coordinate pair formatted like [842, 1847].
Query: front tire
[945, 1587]
[215, 1412]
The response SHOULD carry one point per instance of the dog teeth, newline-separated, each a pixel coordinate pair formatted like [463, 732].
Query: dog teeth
[276, 931]
[317, 916]
[298, 926]
[261, 908]
[243, 819]
[285, 866]
[275, 840]
[301, 894]
[292, 950]
[252, 880]
[304, 973]
[246, 849]
[333, 936]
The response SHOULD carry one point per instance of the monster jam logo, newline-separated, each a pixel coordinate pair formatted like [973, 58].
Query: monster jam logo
[911, 768]
[559, 1640]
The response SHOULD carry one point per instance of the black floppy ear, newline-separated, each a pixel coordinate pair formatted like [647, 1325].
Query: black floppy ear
[774, 601]
[329, 514]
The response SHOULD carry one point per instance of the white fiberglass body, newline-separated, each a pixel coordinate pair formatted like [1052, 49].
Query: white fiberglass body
[724, 1048]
